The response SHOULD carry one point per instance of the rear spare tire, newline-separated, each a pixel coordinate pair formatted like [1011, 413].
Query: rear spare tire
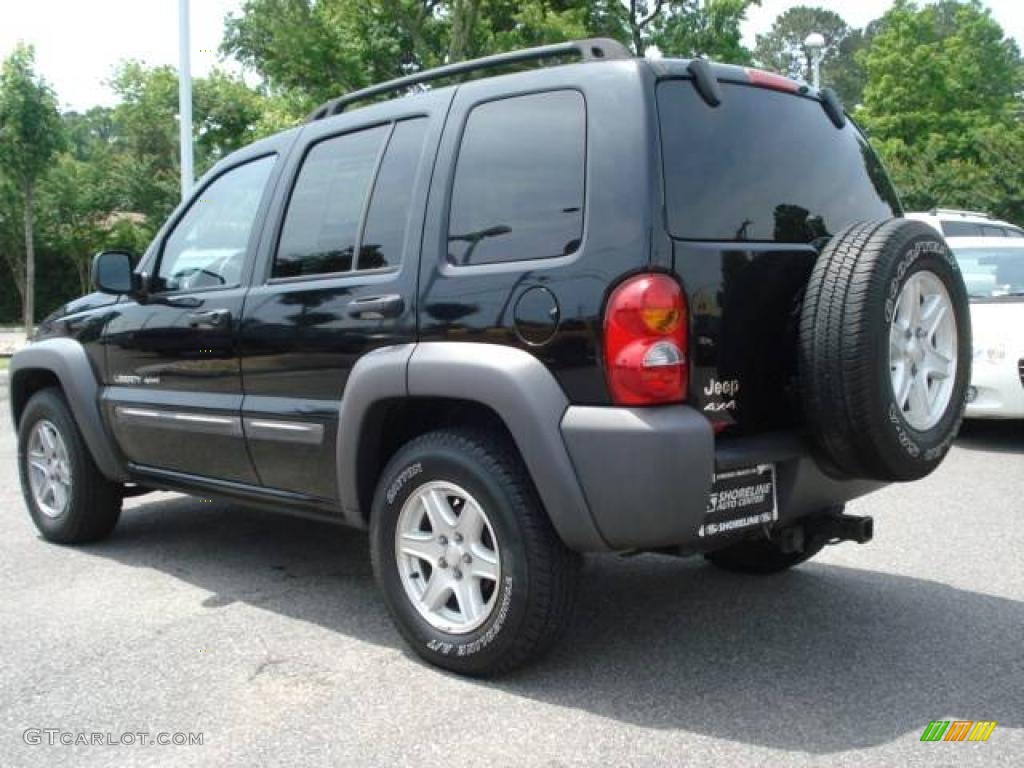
[885, 350]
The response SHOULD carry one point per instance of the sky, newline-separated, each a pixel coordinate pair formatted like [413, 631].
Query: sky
[79, 42]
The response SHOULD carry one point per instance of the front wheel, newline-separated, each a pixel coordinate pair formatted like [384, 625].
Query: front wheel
[471, 569]
[70, 500]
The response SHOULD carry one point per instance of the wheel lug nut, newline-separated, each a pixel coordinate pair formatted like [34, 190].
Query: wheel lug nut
[442, 540]
[457, 574]
[442, 563]
[467, 558]
[458, 537]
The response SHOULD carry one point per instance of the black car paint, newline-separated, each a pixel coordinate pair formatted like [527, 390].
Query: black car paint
[290, 345]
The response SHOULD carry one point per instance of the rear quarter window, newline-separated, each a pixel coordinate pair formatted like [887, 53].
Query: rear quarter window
[764, 166]
[519, 180]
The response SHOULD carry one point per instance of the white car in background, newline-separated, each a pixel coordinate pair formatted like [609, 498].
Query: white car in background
[953, 223]
[993, 270]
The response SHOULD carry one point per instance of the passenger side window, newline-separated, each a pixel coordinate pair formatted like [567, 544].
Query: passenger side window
[322, 222]
[388, 216]
[208, 246]
[519, 180]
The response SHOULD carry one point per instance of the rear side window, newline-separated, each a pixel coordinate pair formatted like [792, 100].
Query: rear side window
[1014, 233]
[987, 231]
[764, 166]
[326, 206]
[388, 216]
[960, 229]
[519, 180]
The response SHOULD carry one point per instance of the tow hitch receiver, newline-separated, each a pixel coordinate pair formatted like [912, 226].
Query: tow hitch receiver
[839, 527]
[830, 529]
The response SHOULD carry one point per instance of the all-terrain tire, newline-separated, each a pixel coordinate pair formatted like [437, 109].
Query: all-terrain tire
[846, 373]
[93, 504]
[534, 596]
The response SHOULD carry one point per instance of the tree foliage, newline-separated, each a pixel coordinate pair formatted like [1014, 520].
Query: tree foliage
[782, 49]
[943, 105]
[709, 28]
[321, 48]
[31, 134]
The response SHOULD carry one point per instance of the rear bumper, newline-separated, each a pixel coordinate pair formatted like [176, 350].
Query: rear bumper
[646, 473]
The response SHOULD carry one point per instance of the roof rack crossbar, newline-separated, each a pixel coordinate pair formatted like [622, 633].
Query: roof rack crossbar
[588, 50]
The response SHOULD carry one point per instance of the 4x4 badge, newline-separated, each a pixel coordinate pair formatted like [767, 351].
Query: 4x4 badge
[729, 405]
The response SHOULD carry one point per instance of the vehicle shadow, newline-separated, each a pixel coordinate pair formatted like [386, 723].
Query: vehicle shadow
[822, 659]
[992, 436]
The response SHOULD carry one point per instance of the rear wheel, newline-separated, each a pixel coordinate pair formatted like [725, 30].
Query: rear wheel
[470, 566]
[69, 499]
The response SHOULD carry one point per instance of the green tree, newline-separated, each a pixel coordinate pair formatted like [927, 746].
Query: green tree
[942, 104]
[708, 28]
[782, 49]
[941, 68]
[30, 136]
[87, 213]
[314, 50]
[228, 114]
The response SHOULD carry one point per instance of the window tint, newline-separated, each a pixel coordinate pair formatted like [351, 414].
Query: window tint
[987, 231]
[1014, 233]
[764, 166]
[322, 222]
[960, 229]
[208, 246]
[384, 231]
[519, 180]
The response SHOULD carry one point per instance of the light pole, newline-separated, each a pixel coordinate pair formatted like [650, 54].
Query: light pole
[185, 99]
[815, 45]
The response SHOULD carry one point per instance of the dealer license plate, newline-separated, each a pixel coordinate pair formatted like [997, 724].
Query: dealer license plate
[741, 499]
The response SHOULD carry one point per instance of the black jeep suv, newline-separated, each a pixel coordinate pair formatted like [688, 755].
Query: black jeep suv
[607, 305]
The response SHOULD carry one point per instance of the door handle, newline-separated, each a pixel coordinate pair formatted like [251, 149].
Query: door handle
[212, 318]
[376, 307]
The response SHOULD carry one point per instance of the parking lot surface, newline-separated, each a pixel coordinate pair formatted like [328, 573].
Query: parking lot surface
[266, 635]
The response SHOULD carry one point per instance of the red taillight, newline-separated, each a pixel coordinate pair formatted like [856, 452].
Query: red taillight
[645, 342]
[775, 82]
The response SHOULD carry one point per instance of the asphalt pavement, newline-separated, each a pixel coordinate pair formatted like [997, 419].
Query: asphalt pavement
[265, 635]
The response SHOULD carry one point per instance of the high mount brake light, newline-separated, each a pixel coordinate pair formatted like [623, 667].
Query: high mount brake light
[645, 341]
[770, 80]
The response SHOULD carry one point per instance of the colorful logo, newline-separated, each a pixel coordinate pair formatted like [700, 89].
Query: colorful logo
[958, 730]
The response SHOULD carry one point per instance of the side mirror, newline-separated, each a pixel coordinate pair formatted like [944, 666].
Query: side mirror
[112, 272]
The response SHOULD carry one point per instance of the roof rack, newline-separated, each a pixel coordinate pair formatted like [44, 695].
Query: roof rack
[588, 50]
[956, 212]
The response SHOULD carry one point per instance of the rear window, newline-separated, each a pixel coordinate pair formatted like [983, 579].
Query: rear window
[764, 166]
